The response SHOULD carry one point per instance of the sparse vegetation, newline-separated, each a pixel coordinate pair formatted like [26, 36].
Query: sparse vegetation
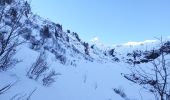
[10, 26]
[38, 68]
[60, 28]
[121, 93]
[77, 36]
[154, 78]
[49, 78]
[86, 48]
[45, 33]
[5, 88]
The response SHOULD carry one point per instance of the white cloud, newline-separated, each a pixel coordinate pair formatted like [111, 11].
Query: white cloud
[139, 43]
[95, 39]
[97, 42]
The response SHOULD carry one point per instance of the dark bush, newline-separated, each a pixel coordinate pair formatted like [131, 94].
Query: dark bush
[77, 36]
[45, 33]
[35, 44]
[152, 55]
[13, 13]
[62, 59]
[92, 46]
[144, 60]
[166, 47]
[86, 48]
[2, 2]
[129, 61]
[67, 39]
[56, 33]
[129, 54]
[68, 31]
[112, 52]
[8, 1]
[116, 59]
[60, 28]
[27, 8]
[121, 93]
[135, 54]
[136, 62]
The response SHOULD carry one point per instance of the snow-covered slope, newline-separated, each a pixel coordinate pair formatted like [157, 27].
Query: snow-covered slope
[87, 81]
[83, 71]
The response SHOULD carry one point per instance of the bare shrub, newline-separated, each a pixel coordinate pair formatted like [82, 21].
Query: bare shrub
[49, 78]
[77, 36]
[38, 68]
[59, 56]
[121, 93]
[11, 24]
[6, 88]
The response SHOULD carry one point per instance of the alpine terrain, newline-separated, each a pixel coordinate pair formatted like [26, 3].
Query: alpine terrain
[39, 60]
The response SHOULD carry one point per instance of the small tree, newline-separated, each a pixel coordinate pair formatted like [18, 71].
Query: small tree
[155, 78]
[11, 24]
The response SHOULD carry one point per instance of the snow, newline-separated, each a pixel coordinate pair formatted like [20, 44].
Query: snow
[87, 81]
[89, 77]
[139, 43]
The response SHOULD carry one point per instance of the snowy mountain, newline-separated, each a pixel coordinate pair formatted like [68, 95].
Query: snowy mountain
[40, 61]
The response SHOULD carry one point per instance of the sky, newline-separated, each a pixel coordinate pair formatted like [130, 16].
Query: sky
[110, 21]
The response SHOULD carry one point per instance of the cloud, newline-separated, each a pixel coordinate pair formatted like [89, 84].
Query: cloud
[95, 40]
[139, 43]
[98, 42]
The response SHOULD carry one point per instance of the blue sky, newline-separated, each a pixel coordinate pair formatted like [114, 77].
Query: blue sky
[112, 21]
